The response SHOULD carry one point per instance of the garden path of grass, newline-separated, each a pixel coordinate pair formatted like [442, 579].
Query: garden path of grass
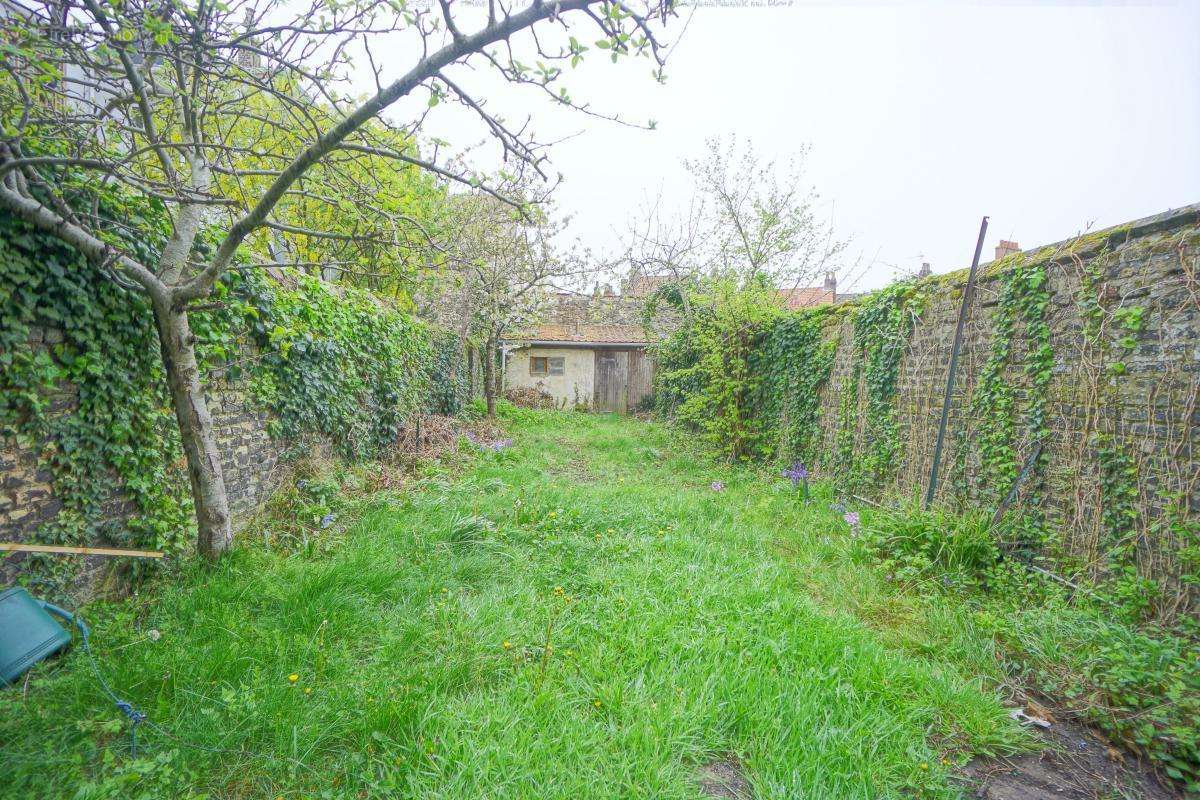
[580, 616]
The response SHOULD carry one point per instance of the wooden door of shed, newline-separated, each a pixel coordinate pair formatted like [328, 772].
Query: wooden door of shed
[612, 381]
[641, 376]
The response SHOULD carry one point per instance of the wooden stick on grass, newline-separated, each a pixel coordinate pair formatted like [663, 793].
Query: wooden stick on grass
[82, 551]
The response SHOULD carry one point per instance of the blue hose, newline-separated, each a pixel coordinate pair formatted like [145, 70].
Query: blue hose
[124, 706]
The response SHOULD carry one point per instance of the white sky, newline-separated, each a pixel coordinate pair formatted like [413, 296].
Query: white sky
[921, 116]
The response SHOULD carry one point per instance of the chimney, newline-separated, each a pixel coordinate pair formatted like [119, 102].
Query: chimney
[830, 284]
[925, 270]
[246, 58]
[1006, 248]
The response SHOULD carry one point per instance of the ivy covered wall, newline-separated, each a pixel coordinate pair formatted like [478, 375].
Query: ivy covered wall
[89, 449]
[1080, 365]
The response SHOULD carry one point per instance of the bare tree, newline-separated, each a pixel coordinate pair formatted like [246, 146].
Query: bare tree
[749, 221]
[154, 97]
[508, 262]
[668, 246]
[761, 217]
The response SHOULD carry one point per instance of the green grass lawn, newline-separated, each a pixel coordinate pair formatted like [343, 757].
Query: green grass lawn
[579, 616]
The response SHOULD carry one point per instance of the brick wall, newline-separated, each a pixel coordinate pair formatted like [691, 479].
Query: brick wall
[1151, 407]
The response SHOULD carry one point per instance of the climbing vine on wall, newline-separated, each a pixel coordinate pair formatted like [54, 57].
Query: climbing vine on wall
[1110, 335]
[448, 374]
[747, 362]
[1011, 412]
[110, 443]
[795, 363]
[90, 400]
[846, 432]
[882, 325]
[334, 362]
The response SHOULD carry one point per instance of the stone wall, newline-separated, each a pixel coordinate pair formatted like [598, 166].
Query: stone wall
[1139, 396]
[250, 459]
[594, 309]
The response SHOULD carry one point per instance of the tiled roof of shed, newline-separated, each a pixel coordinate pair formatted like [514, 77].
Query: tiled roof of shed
[806, 297]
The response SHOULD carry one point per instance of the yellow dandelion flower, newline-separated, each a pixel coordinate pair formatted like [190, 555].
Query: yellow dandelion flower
[596, 703]
[308, 690]
[293, 677]
[924, 765]
[507, 645]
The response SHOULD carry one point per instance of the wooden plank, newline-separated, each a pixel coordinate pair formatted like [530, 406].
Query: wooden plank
[604, 367]
[641, 377]
[17, 547]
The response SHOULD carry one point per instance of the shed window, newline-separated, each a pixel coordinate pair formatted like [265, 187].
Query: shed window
[542, 365]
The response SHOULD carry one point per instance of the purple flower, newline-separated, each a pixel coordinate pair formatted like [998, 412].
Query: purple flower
[717, 486]
[851, 518]
[796, 473]
[484, 444]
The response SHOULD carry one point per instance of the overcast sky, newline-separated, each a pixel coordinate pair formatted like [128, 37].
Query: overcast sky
[921, 117]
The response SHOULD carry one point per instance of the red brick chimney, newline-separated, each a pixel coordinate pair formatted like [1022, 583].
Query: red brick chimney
[1006, 248]
[830, 284]
[925, 270]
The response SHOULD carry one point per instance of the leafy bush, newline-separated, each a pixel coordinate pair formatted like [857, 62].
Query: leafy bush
[1138, 683]
[1141, 685]
[704, 379]
[917, 544]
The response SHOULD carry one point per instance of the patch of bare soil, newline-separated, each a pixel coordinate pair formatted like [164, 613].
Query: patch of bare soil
[724, 778]
[1077, 763]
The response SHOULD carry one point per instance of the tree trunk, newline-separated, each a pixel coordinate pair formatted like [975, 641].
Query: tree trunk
[195, 429]
[489, 376]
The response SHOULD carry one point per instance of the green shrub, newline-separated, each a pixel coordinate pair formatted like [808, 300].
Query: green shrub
[915, 543]
[704, 377]
[1139, 684]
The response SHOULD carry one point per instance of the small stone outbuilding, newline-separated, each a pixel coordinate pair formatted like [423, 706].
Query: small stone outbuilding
[595, 366]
